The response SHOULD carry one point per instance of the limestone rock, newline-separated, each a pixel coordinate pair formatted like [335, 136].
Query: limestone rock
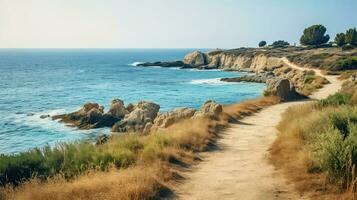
[164, 120]
[144, 112]
[196, 59]
[282, 88]
[209, 108]
[117, 109]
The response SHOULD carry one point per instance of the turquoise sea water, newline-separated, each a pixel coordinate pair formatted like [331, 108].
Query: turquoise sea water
[36, 82]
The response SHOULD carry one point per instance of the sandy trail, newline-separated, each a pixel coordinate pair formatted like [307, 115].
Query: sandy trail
[240, 169]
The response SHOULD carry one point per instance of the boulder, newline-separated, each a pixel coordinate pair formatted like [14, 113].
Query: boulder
[44, 116]
[117, 109]
[91, 115]
[144, 112]
[209, 108]
[282, 88]
[196, 59]
[164, 120]
[85, 118]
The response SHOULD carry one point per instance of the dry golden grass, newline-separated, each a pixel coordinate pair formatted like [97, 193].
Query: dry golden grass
[130, 184]
[160, 157]
[292, 153]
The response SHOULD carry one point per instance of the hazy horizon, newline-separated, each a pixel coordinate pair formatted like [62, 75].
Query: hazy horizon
[160, 24]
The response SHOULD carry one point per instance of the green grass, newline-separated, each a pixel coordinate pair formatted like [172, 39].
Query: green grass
[335, 100]
[68, 159]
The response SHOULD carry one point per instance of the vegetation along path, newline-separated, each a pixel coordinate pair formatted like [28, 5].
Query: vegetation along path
[240, 169]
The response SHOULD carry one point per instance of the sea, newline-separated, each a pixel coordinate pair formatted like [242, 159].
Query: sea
[35, 82]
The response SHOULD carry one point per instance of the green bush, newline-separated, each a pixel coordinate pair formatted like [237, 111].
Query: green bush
[345, 64]
[335, 146]
[314, 35]
[335, 100]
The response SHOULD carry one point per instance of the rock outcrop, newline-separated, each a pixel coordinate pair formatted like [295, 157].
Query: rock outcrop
[196, 59]
[143, 113]
[92, 115]
[210, 109]
[117, 108]
[165, 64]
[282, 88]
[164, 120]
[257, 78]
[85, 118]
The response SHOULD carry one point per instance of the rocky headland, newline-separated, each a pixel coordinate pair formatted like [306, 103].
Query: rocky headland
[266, 64]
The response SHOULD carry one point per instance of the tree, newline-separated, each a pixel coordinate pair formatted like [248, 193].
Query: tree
[280, 43]
[314, 35]
[351, 36]
[262, 43]
[340, 39]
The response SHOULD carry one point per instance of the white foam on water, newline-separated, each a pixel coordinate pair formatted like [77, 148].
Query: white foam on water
[213, 81]
[135, 64]
[35, 120]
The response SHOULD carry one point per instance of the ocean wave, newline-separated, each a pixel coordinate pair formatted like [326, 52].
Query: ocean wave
[35, 120]
[213, 81]
[135, 64]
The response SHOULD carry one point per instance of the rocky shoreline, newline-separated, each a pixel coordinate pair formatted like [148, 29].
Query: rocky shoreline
[142, 117]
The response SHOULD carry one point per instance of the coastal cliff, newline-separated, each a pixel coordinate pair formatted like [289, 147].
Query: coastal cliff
[258, 61]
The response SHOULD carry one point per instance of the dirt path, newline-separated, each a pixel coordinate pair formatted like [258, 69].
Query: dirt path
[240, 169]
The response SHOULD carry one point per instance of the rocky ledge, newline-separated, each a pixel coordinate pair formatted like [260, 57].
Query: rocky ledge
[256, 78]
[165, 64]
[142, 117]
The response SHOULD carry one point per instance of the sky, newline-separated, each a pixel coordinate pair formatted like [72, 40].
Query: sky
[166, 23]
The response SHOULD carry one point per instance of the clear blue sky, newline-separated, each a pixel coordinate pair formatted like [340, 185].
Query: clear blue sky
[165, 23]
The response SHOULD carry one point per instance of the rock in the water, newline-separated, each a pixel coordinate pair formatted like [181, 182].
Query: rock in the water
[164, 64]
[117, 109]
[144, 112]
[257, 78]
[196, 59]
[89, 116]
[282, 88]
[44, 116]
[107, 120]
[209, 108]
[164, 120]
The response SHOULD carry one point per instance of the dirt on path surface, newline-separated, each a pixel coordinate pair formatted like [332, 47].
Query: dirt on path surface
[240, 169]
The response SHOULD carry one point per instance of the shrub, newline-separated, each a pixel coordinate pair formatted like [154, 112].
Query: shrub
[335, 100]
[280, 43]
[345, 64]
[351, 36]
[262, 43]
[340, 39]
[314, 35]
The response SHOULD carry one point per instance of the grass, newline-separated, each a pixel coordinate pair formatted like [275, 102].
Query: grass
[317, 143]
[129, 166]
[311, 83]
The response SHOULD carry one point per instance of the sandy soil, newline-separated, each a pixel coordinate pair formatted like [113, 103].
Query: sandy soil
[240, 168]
